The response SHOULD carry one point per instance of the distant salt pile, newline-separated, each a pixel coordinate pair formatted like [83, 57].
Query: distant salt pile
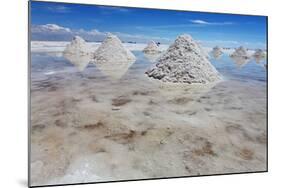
[240, 52]
[259, 53]
[78, 53]
[217, 52]
[112, 51]
[184, 62]
[151, 48]
[112, 58]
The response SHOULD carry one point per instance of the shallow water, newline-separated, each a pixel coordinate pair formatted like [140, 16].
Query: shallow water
[103, 125]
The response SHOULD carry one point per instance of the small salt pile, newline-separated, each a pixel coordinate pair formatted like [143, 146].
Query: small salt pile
[77, 45]
[151, 48]
[184, 62]
[240, 52]
[111, 51]
[112, 58]
[217, 52]
[78, 53]
[259, 53]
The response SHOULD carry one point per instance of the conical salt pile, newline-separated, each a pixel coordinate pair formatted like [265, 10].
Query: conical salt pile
[77, 45]
[259, 53]
[151, 48]
[240, 52]
[217, 52]
[78, 53]
[112, 51]
[184, 62]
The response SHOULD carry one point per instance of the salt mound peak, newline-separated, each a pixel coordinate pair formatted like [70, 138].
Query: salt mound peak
[111, 51]
[184, 62]
[78, 53]
[240, 52]
[151, 48]
[77, 45]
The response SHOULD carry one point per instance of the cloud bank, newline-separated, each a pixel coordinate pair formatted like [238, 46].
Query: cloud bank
[53, 32]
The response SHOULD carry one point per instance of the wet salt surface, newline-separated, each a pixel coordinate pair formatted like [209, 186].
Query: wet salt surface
[89, 126]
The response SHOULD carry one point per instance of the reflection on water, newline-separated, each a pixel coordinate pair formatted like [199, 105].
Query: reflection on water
[55, 54]
[234, 68]
[239, 69]
[258, 59]
[114, 70]
[240, 61]
[152, 57]
[80, 60]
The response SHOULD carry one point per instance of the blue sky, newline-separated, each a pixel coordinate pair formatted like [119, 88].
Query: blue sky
[59, 21]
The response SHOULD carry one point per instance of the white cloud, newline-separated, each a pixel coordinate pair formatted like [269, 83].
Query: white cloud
[59, 9]
[199, 22]
[55, 32]
[49, 28]
[203, 22]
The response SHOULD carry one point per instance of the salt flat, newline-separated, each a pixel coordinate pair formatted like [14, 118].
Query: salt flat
[89, 126]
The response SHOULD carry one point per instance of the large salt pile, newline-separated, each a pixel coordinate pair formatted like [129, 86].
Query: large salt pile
[217, 52]
[240, 52]
[112, 50]
[78, 53]
[151, 48]
[184, 62]
[112, 58]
